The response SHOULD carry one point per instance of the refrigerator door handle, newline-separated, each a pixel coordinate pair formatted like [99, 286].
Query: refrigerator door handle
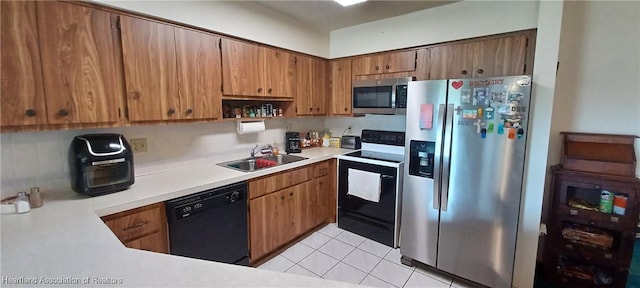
[437, 156]
[446, 157]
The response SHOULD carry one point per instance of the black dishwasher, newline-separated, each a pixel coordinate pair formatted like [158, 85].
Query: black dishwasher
[210, 225]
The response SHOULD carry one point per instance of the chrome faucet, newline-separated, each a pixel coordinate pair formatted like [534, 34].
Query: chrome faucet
[253, 151]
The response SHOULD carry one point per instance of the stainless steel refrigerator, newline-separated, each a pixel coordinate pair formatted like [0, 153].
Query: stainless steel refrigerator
[465, 152]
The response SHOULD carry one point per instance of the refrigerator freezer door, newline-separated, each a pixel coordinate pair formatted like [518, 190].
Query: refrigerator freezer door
[478, 228]
[420, 201]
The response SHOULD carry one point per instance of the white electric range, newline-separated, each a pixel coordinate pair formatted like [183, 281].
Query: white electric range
[376, 218]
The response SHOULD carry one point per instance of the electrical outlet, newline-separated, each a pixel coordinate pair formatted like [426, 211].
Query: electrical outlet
[139, 145]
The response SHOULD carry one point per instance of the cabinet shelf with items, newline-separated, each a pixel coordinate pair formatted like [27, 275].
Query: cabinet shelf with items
[256, 109]
[588, 241]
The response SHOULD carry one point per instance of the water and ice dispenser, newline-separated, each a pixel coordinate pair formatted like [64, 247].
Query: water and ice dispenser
[421, 158]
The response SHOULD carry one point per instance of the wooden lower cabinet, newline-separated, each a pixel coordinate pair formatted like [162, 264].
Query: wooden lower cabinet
[277, 218]
[143, 228]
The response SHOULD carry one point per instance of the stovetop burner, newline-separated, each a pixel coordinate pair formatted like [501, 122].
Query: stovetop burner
[395, 158]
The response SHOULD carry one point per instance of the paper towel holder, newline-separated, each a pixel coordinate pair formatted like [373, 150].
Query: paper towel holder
[250, 126]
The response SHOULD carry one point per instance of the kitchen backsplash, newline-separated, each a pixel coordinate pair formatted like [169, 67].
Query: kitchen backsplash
[337, 125]
[40, 158]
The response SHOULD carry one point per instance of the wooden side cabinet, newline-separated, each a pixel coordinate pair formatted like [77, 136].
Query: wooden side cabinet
[143, 228]
[588, 244]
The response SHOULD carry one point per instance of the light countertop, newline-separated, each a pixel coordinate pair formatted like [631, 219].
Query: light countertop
[64, 243]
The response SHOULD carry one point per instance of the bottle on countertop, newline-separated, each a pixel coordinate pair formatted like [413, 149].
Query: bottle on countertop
[276, 150]
[35, 198]
[22, 203]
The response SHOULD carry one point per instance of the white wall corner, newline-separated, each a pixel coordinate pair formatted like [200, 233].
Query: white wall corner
[543, 92]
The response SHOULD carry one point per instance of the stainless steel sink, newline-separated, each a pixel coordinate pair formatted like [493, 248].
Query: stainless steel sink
[259, 163]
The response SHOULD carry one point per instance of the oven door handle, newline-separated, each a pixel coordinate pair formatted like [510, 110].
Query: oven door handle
[383, 177]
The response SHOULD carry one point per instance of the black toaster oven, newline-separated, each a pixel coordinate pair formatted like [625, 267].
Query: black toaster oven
[100, 164]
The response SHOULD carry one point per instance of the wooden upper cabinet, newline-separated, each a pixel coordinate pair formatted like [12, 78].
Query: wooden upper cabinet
[279, 73]
[391, 62]
[500, 56]
[340, 87]
[251, 70]
[312, 84]
[22, 93]
[487, 58]
[320, 85]
[149, 54]
[78, 63]
[451, 61]
[199, 74]
[242, 68]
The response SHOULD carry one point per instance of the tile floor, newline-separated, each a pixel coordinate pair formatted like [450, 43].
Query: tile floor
[336, 254]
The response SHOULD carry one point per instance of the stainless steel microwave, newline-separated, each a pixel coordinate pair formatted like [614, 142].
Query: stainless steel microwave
[380, 96]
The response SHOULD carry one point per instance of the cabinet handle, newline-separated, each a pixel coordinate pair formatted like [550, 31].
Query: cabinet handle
[345, 109]
[269, 91]
[464, 72]
[310, 108]
[318, 109]
[30, 112]
[480, 71]
[135, 95]
[281, 197]
[377, 68]
[63, 112]
[189, 111]
[290, 193]
[171, 111]
[135, 225]
[387, 67]
[259, 90]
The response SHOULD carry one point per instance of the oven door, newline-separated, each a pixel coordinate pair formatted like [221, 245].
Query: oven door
[369, 219]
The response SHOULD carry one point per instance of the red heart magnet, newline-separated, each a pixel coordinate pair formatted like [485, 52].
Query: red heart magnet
[456, 84]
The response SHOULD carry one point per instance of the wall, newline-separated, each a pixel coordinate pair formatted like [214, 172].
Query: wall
[455, 21]
[239, 18]
[40, 158]
[599, 74]
[543, 94]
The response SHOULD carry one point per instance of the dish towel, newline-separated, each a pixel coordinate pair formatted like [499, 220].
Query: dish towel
[365, 185]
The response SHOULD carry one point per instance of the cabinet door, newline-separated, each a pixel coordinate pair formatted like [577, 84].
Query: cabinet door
[341, 87]
[451, 61]
[304, 75]
[199, 74]
[319, 86]
[306, 201]
[312, 86]
[78, 63]
[149, 54]
[270, 219]
[242, 69]
[22, 94]
[280, 73]
[365, 65]
[398, 62]
[323, 191]
[500, 57]
[422, 64]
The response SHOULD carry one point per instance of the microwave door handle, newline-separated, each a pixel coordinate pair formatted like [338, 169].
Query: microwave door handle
[393, 96]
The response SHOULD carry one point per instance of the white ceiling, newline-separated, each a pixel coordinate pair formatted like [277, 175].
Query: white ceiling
[327, 15]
